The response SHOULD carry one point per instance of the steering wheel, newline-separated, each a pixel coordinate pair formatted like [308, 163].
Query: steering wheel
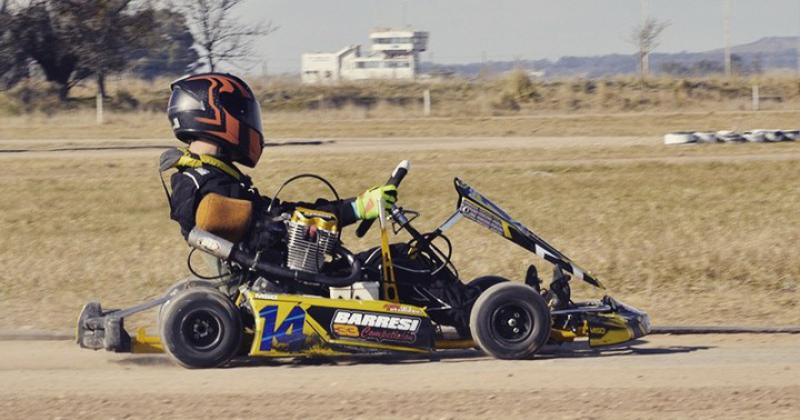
[397, 176]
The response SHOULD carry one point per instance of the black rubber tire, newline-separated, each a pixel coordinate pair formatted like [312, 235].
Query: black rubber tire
[201, 328]
[179, 287]
[491, 317]
[485, 282]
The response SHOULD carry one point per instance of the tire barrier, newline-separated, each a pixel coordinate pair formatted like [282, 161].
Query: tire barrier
[727, 136]
[791, 135]
[706, 136]
[773, 135]
[680, 137]
[730, 136]
[754, 136]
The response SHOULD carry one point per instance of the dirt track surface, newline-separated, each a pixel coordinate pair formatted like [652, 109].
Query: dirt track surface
[62, 147]
[49, 149]
[711, 376]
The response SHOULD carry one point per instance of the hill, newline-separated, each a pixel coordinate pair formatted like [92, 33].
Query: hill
[765, 54]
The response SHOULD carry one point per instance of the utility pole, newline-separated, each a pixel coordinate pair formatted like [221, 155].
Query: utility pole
[727, 35]
[646, 55]
[798, 53]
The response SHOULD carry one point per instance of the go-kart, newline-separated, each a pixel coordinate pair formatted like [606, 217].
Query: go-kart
[319, 299]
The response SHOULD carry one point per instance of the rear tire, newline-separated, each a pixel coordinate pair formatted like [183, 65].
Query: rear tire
[201, 328]
[510, 321]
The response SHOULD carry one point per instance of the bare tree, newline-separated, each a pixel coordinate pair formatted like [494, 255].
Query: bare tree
[222, 38]
[646, 39]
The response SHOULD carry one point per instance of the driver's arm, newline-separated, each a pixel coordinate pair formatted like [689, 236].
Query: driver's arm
[350, 210]
[343, 209]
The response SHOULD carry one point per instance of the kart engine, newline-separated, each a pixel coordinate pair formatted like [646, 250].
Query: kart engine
[312, 237]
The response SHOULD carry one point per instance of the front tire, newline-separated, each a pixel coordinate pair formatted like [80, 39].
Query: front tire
[510, 321]
[201, 328]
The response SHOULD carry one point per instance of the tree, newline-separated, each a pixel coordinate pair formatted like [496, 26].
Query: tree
[38, 35]
[102, 33]
[646, 39]
[74, 39]
[220, 37]
[13, 61]
[171, 51]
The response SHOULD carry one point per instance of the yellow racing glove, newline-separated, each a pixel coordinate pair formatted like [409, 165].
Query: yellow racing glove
[366, 204]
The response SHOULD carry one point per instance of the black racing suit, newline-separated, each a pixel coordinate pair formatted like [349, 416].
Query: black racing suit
[190, 185]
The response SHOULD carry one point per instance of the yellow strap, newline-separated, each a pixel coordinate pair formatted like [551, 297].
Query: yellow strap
[189, 161]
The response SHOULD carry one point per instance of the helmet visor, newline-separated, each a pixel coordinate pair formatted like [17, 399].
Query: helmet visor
[183, 100]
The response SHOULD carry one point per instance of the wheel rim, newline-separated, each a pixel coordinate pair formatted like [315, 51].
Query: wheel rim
[512, 323]
[201, 329]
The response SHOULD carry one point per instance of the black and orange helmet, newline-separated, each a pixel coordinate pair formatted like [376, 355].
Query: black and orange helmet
[220, 108]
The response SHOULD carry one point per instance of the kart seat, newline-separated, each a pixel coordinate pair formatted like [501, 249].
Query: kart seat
[223, 216]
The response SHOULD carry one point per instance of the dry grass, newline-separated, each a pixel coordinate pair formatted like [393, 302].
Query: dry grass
[512, 94]
[692, 241]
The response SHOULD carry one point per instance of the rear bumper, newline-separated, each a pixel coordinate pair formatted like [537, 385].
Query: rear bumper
[98, 330]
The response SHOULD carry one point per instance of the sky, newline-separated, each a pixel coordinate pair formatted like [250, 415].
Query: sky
[462, 31]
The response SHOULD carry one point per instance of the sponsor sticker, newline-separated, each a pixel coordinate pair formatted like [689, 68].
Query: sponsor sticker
[346, 330]
[396, 307]
[375, 326]
[266, 296]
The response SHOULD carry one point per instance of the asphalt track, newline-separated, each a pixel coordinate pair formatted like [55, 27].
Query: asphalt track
[662, 376]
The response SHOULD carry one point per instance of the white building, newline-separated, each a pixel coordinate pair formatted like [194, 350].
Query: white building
[394, 55]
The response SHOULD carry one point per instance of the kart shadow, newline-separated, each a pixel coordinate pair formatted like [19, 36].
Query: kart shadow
[564, 351]
[145, 360]
[364, 359]
[380, 358]
[582, 349]
[549, 352]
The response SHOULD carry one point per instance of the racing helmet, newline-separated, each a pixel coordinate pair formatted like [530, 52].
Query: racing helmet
[220, 108]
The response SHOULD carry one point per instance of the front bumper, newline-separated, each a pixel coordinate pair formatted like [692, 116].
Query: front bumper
[620, 324]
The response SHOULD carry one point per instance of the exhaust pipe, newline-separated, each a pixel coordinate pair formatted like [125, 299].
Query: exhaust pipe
[228, 251]
[209, 243]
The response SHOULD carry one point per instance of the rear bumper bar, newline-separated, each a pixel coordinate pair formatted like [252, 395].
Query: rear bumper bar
[97, 330]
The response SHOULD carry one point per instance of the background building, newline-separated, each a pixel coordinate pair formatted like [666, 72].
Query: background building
[394, 54]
